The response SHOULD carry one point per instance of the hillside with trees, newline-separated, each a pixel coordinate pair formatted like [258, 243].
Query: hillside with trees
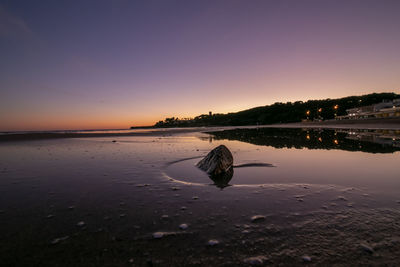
[282, 112]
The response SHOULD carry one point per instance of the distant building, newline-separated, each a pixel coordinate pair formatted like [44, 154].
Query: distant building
[384, 109]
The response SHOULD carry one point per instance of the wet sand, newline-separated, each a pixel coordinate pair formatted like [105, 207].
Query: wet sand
[95, 202]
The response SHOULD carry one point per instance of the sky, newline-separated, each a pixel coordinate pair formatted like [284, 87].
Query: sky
[119, 63]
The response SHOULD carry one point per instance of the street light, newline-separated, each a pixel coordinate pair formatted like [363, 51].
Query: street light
[335, 107]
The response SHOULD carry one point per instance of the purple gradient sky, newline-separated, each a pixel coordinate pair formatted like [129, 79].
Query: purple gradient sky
[113, 64]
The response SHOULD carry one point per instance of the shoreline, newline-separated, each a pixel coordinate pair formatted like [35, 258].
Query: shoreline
[366, 124]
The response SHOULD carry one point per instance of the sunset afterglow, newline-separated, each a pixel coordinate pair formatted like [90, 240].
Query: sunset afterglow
[115, 64]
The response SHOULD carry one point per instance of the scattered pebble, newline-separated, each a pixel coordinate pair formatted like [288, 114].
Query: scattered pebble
[175, 188]
[195, 197]
[306, 258]
[212, 242]
[257, 218]
[183, 226]
[158, 235]
[71, 207]
[183, 208]
[81, 224]
[255, 261]
[164, 217]
[49, 216]
[122, 215]
[366, 248]
[59, 239]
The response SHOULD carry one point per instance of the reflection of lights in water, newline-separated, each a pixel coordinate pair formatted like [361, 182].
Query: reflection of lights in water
[320, 139]
[336, 142]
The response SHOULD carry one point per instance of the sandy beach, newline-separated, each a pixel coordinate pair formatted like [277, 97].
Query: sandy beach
[136, 199]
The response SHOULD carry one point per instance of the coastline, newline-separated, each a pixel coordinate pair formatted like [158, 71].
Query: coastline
[367, 124]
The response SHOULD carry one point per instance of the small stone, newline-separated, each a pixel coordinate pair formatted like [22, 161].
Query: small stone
[183, 208]
[158, 235]
[255, 261]
[131, 260]
[175, 188]
[195, 197]
[366, 248]
[306, 258]
[81, 224]
[58, 240]
[183, 226]
[212, 242]
[257, 218]
[49, 216]
[164, 217]
[122, 215]
[71, 207]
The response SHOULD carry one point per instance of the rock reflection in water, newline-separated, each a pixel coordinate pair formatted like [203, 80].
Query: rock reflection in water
[371, 141]
[222, 180]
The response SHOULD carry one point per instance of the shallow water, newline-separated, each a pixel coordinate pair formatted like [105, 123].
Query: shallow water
[336, 202]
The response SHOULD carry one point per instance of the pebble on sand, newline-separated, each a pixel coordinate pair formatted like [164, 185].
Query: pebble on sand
[306, 258]
[59, 239]
[255, 261]
[257, 218]
[81, 224]
[212, 242]
[158, 235]
[367, 248]
[183, 226]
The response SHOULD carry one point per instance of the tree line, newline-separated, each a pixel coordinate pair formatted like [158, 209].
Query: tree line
[282, 112]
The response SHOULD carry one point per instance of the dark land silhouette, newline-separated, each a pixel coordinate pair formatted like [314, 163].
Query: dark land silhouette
[289, 112]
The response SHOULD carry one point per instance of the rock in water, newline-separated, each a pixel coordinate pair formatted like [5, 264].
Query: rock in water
[218, 161]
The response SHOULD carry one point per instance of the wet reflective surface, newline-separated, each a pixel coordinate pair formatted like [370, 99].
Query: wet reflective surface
[140, 201]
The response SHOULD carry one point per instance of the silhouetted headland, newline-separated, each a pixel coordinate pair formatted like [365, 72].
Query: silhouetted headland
[293, 112]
